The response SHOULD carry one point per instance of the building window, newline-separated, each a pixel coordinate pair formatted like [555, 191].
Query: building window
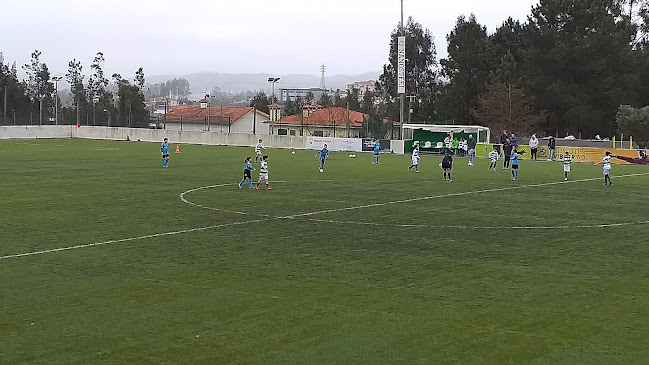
[318, 134]
[282, 132]
[292, 132]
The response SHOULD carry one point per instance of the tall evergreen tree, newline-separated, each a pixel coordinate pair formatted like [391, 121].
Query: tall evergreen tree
[467, 69]
[578, 63]
[421, 73]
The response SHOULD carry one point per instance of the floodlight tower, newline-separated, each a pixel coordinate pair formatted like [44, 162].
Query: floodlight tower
[56, 80]
[273, 80]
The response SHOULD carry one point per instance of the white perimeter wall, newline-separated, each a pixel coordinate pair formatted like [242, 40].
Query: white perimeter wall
[183, 137]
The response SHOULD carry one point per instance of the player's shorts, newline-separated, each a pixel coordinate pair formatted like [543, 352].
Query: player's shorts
[263, 176]
[607, 170]
[566, 168]
[514, 167]
[415, 161]
[258, 153]
[376, 153]
[494, 161]
[165, 156]
[447, 166]
[247, 175]
[322, 161]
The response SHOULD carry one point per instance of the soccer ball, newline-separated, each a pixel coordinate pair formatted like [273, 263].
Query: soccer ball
[352, 156]
[440, 164]
[470, 164]
[292, 152]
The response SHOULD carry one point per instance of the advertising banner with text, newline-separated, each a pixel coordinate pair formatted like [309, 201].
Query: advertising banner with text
[578, 154]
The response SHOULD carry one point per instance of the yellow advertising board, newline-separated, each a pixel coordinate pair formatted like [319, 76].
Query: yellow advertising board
[578, 154]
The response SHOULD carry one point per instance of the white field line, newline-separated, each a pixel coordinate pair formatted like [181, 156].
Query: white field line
[186, 201]
[172, 233]
[451, 194]
[293, 216]
[609, 225]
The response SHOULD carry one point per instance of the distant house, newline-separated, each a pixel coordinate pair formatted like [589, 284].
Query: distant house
[362, 87]
[320, 122]
[233, 119]
[286, 94]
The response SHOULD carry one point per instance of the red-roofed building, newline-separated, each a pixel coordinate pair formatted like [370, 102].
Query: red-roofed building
[321, 122]
[233, 119]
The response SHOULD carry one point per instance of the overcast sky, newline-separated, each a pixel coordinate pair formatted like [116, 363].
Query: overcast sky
[230, 36]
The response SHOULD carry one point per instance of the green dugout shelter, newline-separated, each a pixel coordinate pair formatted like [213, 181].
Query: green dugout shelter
[431, 136]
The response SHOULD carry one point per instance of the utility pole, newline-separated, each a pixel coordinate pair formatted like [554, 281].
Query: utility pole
[410, 99]
[4, 112]
[403, 95]
[347, 119]
[254, 120]
[56, 80]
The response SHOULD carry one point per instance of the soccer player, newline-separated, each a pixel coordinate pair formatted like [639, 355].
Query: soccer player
[263, 173]
[606, 162]
[567, 160]
[323, 154]
[377, 150]
[447, 166]
[415, 159]
[164, 149]
[246, 172]
[258, 149]
[514, 160]
[493, 156]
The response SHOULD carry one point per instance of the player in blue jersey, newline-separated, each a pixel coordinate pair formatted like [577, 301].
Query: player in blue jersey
[247, 172]
[377, 150]
[164, 149]
[323, 154]
[514, 162]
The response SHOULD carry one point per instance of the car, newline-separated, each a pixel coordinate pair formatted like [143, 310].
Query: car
[155, 124]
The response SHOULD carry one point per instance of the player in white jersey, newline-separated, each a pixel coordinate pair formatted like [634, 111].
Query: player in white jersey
[493, 156]
[258, 149]
[606, 163]
[567, 161]
[415, 158]
[263, 173]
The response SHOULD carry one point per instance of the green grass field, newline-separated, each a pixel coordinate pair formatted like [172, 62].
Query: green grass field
[358, 265]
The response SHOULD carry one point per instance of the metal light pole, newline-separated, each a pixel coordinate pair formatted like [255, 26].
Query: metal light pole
[108, 111]
[209, 110]
[56, 80]
[403, 95]
[273, 80]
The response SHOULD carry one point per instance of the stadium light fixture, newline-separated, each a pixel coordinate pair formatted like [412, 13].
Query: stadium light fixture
[56, 80]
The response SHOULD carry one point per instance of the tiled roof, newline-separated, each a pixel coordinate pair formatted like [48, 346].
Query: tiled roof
[218, 114]
[327, 117]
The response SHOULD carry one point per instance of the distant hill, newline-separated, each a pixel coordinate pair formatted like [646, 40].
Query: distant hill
[206, 81]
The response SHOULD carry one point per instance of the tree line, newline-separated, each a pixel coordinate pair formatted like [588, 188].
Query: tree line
[575, 67]
[95, 99]
[572, 68]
